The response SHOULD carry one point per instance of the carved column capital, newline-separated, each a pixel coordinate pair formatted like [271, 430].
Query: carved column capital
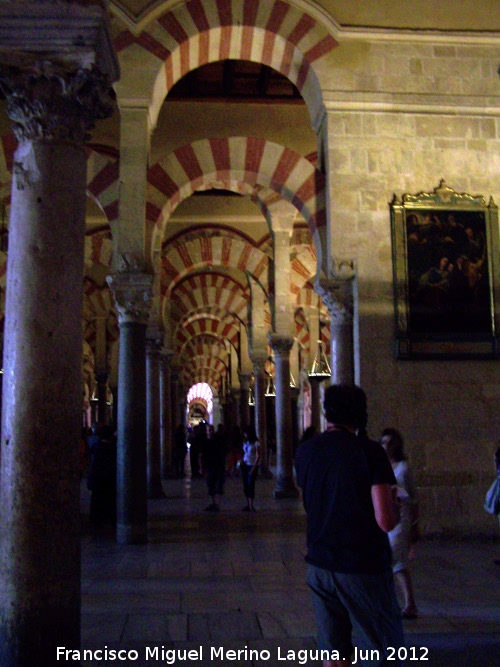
[50, 101]
[280, 343]
[245, 379]
[153, 345]
[259, 362]
[133, 291]
[336, 292]
[166, 357]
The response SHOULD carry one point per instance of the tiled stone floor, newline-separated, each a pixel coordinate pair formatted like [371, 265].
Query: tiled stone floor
[234, 580]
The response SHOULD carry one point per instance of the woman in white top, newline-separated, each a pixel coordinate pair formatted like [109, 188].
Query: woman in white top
[249, 466]
[405, 533]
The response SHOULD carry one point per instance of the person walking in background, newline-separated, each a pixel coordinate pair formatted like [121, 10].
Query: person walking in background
[235, 451]
[347, 489]
[214, 465]
[492, 498]
[102, 477]
[404, 536]
[180, 450]
[197, 441]
[249, 466]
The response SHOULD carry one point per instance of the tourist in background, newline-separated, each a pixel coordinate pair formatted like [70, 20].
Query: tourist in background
[249, 466]
[405, 535]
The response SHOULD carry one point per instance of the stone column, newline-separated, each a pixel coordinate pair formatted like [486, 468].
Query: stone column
[259, 389]
[166, 424]
[153, 347]
[52, 108]
[174, 394]
[102, 398]
[132, 289]
[337, 294]
[285, 486]
[315, 384]
[245, 379]
[101, 370]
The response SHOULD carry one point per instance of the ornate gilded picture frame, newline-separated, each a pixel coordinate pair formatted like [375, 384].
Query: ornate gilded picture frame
[446, 275]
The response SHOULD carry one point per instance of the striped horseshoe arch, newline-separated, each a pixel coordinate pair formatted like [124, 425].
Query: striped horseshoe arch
[198, 290]
[207, 326]
[271, 32]
[223, 248]
[223, 162]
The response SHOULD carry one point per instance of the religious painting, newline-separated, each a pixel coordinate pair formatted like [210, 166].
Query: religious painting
[446, 274]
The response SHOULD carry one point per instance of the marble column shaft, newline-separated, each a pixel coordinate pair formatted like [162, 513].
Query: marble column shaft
[259, 390]
[167, 425]
[102, 398]
[285, 485]
[174, 394]
[153, 406]
[337, 294]
[132, 291]
[244, 412]
[42, 380]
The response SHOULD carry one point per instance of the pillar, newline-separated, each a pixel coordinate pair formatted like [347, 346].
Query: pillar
[102, 398]
[245, 379]
[153, 407]
[132, 290]
[337, 294]
[285, 486]
[315, 384]
[52, 108]
[101, 370]
[166, 424]
[174, 394]
[259, 388]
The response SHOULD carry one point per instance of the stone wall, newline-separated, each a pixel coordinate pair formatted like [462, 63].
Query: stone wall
[401, 117]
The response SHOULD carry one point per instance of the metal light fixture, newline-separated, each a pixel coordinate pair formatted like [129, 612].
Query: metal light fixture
[293, 384]
[321, 368]
[270, 388]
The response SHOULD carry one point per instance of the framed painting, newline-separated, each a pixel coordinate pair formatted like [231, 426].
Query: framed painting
[446, 275]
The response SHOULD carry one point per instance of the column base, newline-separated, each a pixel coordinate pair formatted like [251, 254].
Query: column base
[126, 534]
[285, 488]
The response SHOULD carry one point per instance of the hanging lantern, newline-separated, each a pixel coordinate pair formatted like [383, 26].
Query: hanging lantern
[270, 388]
[321, 368]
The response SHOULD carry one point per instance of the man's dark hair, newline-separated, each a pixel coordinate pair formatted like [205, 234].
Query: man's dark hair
[346, 404]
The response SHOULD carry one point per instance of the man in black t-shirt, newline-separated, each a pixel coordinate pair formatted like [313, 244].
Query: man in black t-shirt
[348, 492]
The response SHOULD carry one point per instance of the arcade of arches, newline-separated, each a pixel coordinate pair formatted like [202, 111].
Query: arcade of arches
[220, 173]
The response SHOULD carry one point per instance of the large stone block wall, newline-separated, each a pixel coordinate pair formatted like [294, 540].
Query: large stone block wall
[401, 117]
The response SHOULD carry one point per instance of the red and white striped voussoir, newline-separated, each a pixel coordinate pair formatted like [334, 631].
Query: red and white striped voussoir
[251, 160]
